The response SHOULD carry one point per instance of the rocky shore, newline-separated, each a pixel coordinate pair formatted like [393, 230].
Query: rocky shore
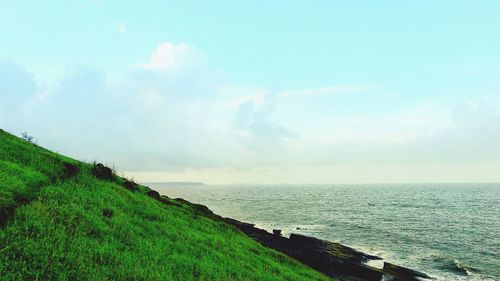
[332, 259]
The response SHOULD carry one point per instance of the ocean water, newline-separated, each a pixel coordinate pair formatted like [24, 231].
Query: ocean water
[449, 231]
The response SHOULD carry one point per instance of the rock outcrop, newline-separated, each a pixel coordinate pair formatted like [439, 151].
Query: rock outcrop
[404, 273]
[130, 185]
[69, 170]
[333, 259]
[102, 172]
[154, 194]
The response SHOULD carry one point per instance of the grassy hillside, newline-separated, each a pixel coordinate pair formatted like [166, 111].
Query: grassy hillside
[58, 223]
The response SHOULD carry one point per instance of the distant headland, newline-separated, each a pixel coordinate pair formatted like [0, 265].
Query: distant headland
[175, 184]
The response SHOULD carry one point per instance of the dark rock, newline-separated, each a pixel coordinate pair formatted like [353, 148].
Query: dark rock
[324, 255]
[165, 200]
[183, 201]
[202, 209]
[102, 172]
[107, 213]
[154, 194]
[130, 185]
[168, 202]
[332, 259]
[70, 170]
[333, 248]
[403, 273]
[277, 232]
[198, 208]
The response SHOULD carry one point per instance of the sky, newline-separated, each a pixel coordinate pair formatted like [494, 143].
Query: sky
[259, 92]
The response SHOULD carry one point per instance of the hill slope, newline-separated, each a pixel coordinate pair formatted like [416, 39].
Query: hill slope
[61, 219]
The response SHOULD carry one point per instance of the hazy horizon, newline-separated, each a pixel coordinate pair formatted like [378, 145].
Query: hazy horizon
[240, 92]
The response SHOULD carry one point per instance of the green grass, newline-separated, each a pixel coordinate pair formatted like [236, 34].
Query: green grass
[55, 229]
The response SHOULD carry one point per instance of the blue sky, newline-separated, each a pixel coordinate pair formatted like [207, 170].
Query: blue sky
[259, 91]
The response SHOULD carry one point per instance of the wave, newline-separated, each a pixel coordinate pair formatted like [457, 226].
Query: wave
[455, 266]
[460, 268]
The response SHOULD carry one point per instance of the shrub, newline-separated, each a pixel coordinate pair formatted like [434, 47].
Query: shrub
[29, 138]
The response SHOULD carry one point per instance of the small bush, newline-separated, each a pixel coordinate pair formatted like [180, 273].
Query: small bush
[29, 138]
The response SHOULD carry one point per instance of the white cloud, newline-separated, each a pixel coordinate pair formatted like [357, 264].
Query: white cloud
[332, 90]
[255, 127]
[170, 56]
[120, 28]
[176, 113]
[421, 121]
[17, 88]
[15, 81]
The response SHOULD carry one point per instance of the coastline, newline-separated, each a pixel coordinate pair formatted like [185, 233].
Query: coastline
[332, 259]
[431, 228]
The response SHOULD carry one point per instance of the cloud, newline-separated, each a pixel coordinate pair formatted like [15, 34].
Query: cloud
[15, 81]
[177, 112]
[175, 72]
[255, 126]
[332, 90]
[140, 118]
[170, 56]
[17, 88]
[120, 28]
[424, 134]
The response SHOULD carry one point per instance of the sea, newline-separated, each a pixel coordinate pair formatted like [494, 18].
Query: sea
[449, 231]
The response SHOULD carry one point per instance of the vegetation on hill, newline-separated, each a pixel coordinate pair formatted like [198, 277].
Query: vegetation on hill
[61, 219]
